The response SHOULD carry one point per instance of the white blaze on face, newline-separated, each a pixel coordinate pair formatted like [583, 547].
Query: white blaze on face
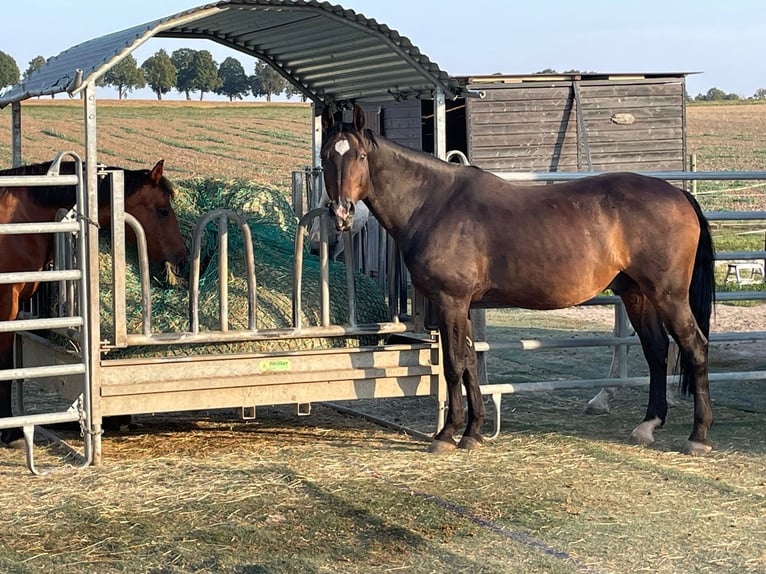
[342, 147]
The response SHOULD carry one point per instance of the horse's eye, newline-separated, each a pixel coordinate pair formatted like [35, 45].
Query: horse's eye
[163, 212]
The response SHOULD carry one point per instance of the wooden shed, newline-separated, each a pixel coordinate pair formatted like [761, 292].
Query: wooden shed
[556, 122]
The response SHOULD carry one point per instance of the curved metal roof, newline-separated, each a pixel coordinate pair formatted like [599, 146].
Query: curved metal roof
[330, 53]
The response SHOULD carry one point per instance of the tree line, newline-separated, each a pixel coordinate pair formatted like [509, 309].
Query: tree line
[185, 70]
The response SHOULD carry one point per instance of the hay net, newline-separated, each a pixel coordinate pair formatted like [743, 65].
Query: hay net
[273, 227]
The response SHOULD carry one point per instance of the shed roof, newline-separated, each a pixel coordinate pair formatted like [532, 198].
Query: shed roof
[330, 53]
[539, 78]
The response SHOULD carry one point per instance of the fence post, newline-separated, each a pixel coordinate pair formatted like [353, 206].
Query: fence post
[693, 167]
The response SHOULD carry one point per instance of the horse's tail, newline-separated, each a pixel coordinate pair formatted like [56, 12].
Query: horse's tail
[701, 290]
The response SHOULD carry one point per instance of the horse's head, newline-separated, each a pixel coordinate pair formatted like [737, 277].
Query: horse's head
[148, 198]
[345, 151]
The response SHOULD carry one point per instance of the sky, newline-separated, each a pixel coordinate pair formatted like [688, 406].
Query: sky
[720, 41]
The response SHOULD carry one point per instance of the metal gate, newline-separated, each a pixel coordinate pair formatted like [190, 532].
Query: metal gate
[69, 274]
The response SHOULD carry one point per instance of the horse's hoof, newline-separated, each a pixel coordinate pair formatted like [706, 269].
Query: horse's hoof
[598, 405]
[470, 443]
[596, 408]
[694, 448]
[16, 444]
[441, 446]
[641, 439]
[643, 434]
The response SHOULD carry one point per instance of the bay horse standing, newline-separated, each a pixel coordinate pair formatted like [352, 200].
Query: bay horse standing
[470, 238]
[148, 197]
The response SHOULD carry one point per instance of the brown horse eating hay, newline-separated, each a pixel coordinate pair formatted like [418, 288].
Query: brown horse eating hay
[471, 238]
[148, 196]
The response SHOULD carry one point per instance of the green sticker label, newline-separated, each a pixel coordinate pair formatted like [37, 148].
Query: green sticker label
[272, 365]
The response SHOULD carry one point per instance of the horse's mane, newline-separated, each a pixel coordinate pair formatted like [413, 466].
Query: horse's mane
[54, 195]
[417, 156]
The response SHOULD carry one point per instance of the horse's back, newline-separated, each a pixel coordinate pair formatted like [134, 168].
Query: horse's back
[551, 246]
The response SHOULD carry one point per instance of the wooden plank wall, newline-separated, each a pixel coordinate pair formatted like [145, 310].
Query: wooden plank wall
[636, 125]
[401, 122]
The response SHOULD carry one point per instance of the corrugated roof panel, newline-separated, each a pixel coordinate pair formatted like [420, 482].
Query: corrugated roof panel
[332, 53]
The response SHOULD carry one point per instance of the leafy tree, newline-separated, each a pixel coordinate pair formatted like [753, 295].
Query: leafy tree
[234, 82]
[160, 73]
[206, 73]
[716, 95]
[34, 64]
[184, 61]
[255, 85]
[125, 76]
[9, 71]
[292, 90]
[267, 81]
[760, 94]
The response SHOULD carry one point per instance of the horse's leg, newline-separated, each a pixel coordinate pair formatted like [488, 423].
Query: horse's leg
[654, 343]
[9, 437]
[9, 308]
[693, 347]
[476, 411]
[453, 328]
[599, 404]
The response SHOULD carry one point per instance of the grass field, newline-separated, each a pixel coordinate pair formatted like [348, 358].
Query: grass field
[557, 492]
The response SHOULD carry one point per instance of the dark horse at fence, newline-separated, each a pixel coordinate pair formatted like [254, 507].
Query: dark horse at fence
[471, 238]
[148, 197]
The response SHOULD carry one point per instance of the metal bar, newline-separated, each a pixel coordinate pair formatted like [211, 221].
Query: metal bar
[298, 195]
[143, 266]
[39, 180]
[37, 227]
[252, 291]
[581, 342]
[735, 215]
[119, 265]
[69, 416]
[672, 175]
[300, 234]
[87, 200]
[32, 324]
[512, 388]
[324, 267]
[299, 332]
[380, 421]
[15, 134]
[40, 276]
[440, 125]
[348, 253]
[40, 372]
[729, 255]
[223, 272]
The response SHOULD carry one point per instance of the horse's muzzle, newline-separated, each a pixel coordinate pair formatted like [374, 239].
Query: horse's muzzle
[343, 210]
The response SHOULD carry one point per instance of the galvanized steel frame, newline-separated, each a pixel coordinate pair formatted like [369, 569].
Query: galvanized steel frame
[77, 222]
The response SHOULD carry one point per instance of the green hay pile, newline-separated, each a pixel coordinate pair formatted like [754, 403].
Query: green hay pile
[273, 227]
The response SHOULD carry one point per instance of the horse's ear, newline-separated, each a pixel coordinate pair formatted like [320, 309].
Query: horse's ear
[156, 174]
[328, 118]
[358, 117]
